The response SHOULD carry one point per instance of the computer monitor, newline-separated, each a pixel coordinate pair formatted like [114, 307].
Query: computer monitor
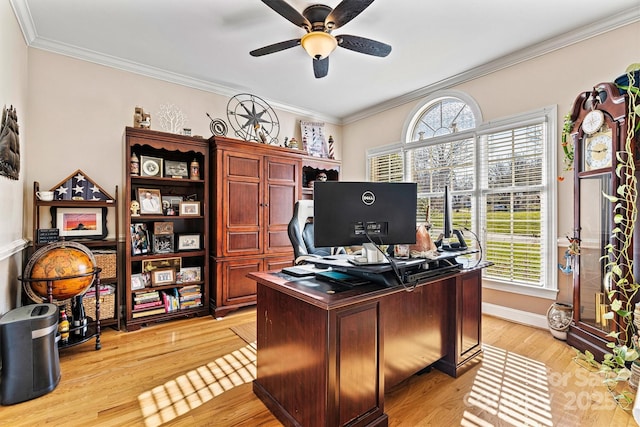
[359, 213]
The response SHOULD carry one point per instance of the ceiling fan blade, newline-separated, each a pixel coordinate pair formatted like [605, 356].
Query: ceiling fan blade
[276, 47]
[321, 67]
[344, 12]
[289, 13]
[363, 45]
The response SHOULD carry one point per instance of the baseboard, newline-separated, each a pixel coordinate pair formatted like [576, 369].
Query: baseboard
[518, 316]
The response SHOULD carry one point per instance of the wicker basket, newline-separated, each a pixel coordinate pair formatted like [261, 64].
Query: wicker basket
[107, 305]
[106, 259]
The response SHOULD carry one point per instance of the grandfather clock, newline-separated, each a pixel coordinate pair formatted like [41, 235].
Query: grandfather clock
[599, 131]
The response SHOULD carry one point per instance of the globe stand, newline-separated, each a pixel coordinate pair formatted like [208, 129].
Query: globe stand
[49, 298]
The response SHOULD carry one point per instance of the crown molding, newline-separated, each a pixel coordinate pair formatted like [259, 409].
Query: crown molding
[586, 32]
[23, 14]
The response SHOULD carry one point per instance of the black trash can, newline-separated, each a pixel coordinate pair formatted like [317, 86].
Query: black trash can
[30, 363]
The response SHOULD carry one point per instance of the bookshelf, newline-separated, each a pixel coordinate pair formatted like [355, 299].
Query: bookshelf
[166, 250]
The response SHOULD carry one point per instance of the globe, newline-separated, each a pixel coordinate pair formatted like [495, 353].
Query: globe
[59, 262]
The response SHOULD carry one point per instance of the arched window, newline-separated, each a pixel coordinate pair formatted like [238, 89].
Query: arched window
[441, 116]
[501, 176]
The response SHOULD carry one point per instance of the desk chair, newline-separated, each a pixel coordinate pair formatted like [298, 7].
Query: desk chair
[301, 231]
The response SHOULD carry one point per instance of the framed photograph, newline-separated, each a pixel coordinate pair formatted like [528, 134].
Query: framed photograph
[165, 227]
[150, 201]
[171, 205]
[80, 223]
[154, 264]
[136, 282]
[150, 166]
[188, 242]
[146, 278]
[190, 208]
[190, 274]
[176, 169]
[162, 243]
[139, 239]
[163, 276]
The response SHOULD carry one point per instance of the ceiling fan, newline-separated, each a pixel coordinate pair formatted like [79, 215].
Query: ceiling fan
[318, 21]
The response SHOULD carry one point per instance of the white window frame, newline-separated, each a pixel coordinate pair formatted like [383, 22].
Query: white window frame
[548, 116]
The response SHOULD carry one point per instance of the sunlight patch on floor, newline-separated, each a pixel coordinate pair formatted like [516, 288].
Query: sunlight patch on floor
[177, 397]
[511, 387]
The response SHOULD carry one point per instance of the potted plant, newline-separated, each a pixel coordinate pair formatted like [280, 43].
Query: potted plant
[619, 259]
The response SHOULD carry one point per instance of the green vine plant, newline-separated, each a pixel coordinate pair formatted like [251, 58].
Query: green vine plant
[567, 147]
[619, 263]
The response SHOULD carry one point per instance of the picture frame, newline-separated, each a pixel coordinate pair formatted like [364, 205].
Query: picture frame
[163, 276]
[140, 243]
[146, 279]
[137, 282]
[150, 201]
[151, 166]
[316, 142]
[189, 242]
[162, 243]
[190, 208]
[164, 227]
[171, 204]
[80, 223]
[190, 274]
[149, 265]
[175, 169]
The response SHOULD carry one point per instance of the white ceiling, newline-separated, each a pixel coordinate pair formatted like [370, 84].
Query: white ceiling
[206, 44]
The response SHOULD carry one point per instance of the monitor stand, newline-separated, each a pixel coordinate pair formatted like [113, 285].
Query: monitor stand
[444, 245]
[371, 255]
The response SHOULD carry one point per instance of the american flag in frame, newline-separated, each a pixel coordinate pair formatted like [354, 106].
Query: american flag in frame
[78, 186]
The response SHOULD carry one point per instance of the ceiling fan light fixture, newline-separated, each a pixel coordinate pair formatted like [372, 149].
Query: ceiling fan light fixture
[318, 44]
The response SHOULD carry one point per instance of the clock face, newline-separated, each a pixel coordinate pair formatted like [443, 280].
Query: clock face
[252, 119]
[592, 122]
[597, 151]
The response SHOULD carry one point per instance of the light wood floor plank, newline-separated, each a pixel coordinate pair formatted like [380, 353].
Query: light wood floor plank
[174, 374]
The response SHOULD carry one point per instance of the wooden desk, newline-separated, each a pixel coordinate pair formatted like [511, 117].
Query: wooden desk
[325, 359]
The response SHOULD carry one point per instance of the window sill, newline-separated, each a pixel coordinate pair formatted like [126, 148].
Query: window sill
[550, 294]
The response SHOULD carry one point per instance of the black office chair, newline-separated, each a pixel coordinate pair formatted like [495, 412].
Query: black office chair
[301, 231]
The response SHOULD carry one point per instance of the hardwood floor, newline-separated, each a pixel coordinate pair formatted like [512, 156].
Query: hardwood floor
[197, 372]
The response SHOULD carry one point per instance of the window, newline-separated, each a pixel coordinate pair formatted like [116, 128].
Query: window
[502, 179]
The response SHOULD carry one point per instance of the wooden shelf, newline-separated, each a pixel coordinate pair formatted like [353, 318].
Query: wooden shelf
[178, 148]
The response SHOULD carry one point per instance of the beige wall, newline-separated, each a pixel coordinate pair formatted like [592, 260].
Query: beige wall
[13, 91]
[552, 79]
[80, 111]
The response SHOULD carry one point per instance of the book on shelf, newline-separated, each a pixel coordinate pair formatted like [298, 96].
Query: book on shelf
[151, 312]
[190, 297]
[149, 304]
[191, 304]
[171, 300]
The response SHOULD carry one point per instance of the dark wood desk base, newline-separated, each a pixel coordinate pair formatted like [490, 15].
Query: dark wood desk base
[325, 359]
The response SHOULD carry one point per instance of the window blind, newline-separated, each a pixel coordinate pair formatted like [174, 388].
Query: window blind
[513, 208]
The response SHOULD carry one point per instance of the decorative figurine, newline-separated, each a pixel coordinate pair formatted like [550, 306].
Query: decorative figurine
[134, 208]
[141, 119]
[332, 154]
[321, 176]
[135, 165]
[194, 170]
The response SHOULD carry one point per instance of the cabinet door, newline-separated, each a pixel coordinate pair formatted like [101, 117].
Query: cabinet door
[282, 192]
[470, 312]
[236, 288]
[240, 216]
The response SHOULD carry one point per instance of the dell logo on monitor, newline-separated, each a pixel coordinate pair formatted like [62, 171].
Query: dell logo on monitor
[368, 198]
